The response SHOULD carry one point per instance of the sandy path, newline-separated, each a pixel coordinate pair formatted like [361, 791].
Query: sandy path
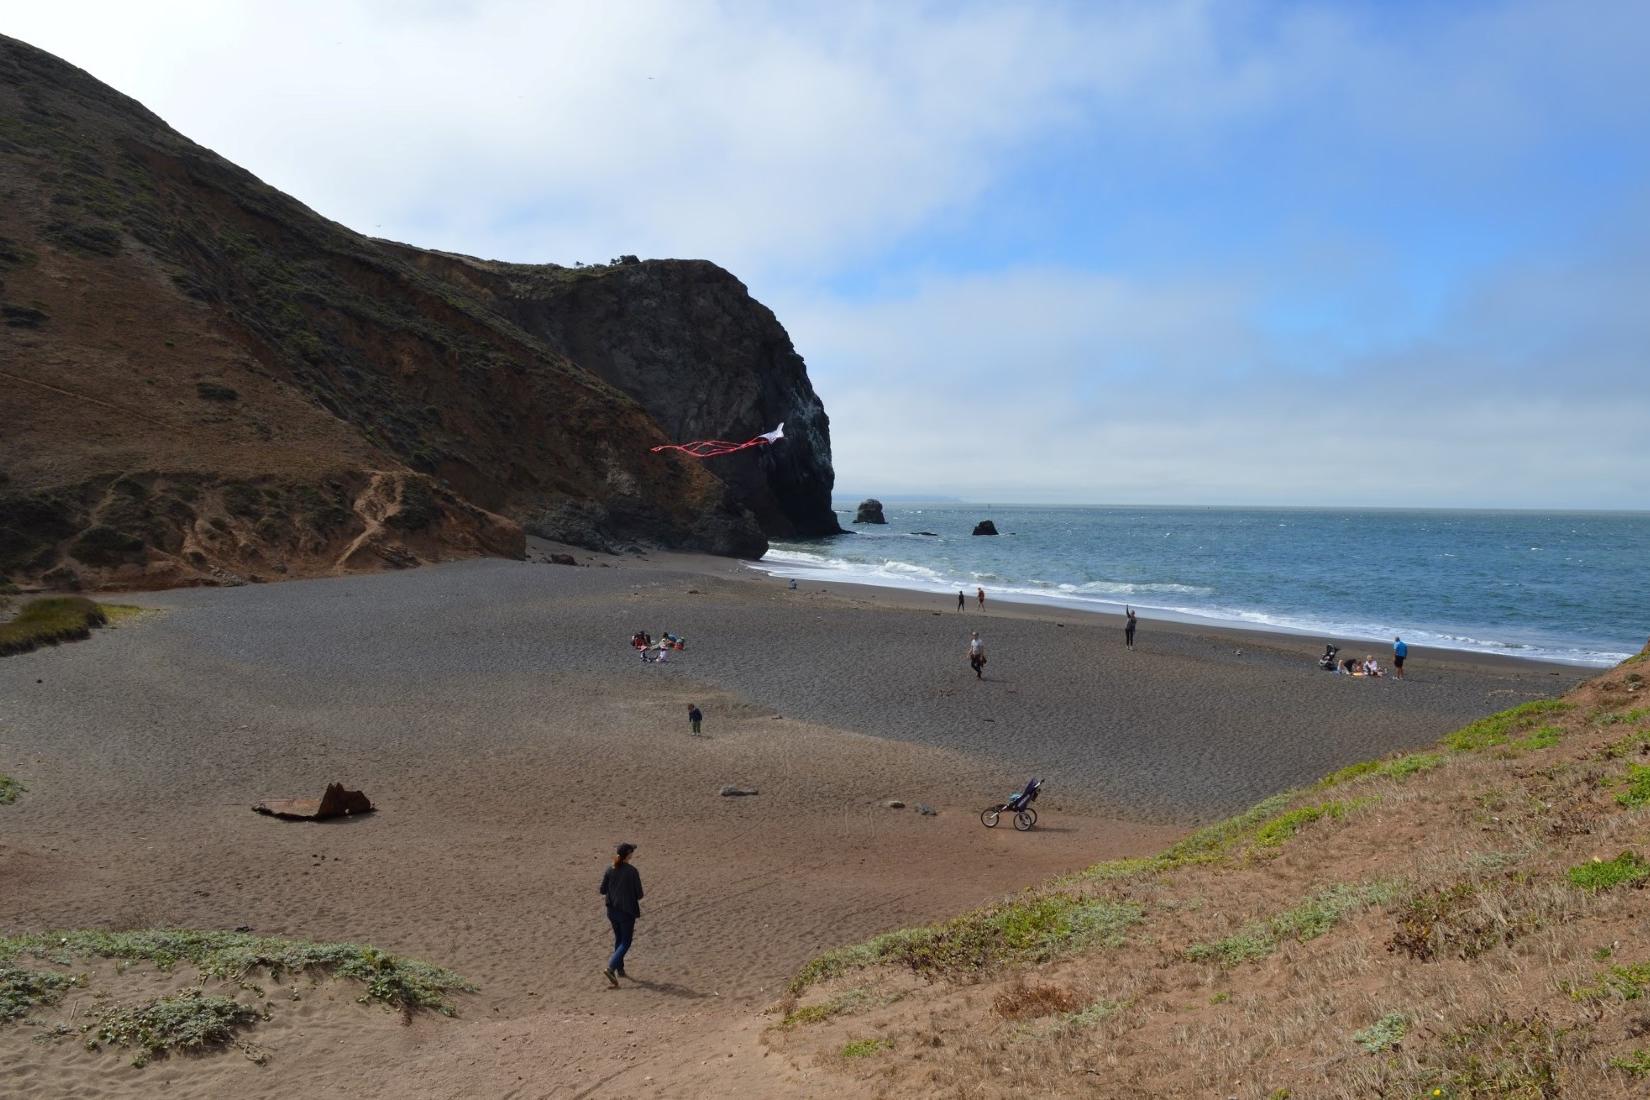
[495, 714]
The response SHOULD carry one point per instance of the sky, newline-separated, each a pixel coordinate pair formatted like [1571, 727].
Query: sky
[1343, 254]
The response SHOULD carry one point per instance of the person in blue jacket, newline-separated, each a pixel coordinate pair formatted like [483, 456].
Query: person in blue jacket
[1399, 652]
[622, 886]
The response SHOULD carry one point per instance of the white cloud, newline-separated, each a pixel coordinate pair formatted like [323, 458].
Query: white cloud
[800, 145]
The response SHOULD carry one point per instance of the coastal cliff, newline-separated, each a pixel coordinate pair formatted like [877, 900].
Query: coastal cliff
[205, 382]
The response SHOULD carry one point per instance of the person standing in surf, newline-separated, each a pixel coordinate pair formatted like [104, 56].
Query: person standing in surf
[976, 654]
[1128, 627]
[1399, 652]
[622, 886]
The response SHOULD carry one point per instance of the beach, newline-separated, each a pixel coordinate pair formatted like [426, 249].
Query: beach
[495, 713]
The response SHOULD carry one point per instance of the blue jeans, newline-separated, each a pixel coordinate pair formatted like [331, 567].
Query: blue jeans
[624, 928]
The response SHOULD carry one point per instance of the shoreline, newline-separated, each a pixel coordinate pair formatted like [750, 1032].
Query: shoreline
[1282, 642]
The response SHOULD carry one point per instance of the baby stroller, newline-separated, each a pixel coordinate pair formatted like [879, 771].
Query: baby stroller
[1020, 806]
[1328, 661]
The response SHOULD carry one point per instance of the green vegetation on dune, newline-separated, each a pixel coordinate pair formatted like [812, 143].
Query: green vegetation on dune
[1031, 928]
[23, 990]
[50, 621]
[1307, 921]
[1497, 729]
[864, 1048]
[1383, 1034]
[1279, 829]
[188, 1021]
[9, 790]
[1400, 767]
[1627, 869]
[1626, 983]
[1638, 787]
[406, 984]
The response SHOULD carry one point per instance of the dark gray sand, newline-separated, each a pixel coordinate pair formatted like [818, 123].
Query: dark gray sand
[1194, 723]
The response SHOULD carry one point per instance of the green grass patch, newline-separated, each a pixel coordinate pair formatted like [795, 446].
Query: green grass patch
[1497, 1056]
[406, 984]
[1383, 1034]
[9, 790]
[1638, 742]
[1626, 983]
[865, 1048]
[1544, 738]
[1637, 792]
[1307, 921]
[1399, 767]
[1498, 729]
[1031, 928]
[819, 1013]
[1275, 832]
[190, 1020]
[49, 621]
[1626, 717]
[1627, 869]
[24, 990]
[1636, 1063]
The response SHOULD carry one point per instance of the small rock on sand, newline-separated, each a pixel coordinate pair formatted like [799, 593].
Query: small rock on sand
[926, 810]
[894, 804]
[731, 791]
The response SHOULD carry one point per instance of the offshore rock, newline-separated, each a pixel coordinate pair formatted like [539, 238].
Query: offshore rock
[985, 527]
[870, 511]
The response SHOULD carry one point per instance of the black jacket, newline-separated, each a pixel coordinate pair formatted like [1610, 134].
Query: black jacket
[623, 887]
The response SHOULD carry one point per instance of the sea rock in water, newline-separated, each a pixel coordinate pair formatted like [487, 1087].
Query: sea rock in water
[930, 534]
[732, 791]
[870, 511]
[985, 527]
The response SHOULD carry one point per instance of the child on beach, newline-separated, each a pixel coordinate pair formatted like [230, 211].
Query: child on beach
[976, 654]
[1399, 652]
[1128, 628]
[695, 717]
[980, 594]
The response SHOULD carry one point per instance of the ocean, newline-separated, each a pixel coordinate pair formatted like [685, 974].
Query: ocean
[1557, 586]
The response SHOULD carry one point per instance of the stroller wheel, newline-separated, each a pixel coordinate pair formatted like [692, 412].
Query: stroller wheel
[988, 818]
[1024, 820]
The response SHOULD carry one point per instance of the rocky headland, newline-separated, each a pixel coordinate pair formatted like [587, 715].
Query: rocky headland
[206, 382]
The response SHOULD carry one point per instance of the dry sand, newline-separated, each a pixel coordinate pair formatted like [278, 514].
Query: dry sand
[495, 713]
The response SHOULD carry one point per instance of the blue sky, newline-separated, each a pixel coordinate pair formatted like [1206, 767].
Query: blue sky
[1172, 252]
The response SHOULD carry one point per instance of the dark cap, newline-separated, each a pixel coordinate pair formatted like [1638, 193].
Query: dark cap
[626, 848]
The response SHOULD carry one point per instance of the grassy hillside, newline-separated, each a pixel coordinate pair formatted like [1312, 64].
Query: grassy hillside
[1466, 922]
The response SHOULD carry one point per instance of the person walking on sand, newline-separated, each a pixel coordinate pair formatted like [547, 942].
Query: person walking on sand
[1128, 627]
[960, 600]
[979, 594]
[1399, 652]
[622, 886]
[976, 654]
[695, 717]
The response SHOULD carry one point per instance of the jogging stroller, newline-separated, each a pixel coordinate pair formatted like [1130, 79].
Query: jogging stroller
[1328, 661]
[1025, 816]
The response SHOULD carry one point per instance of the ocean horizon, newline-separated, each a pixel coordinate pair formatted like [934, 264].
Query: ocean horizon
[1564, 586]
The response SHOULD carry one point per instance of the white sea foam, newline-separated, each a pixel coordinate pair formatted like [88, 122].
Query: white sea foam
[1110, 596]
